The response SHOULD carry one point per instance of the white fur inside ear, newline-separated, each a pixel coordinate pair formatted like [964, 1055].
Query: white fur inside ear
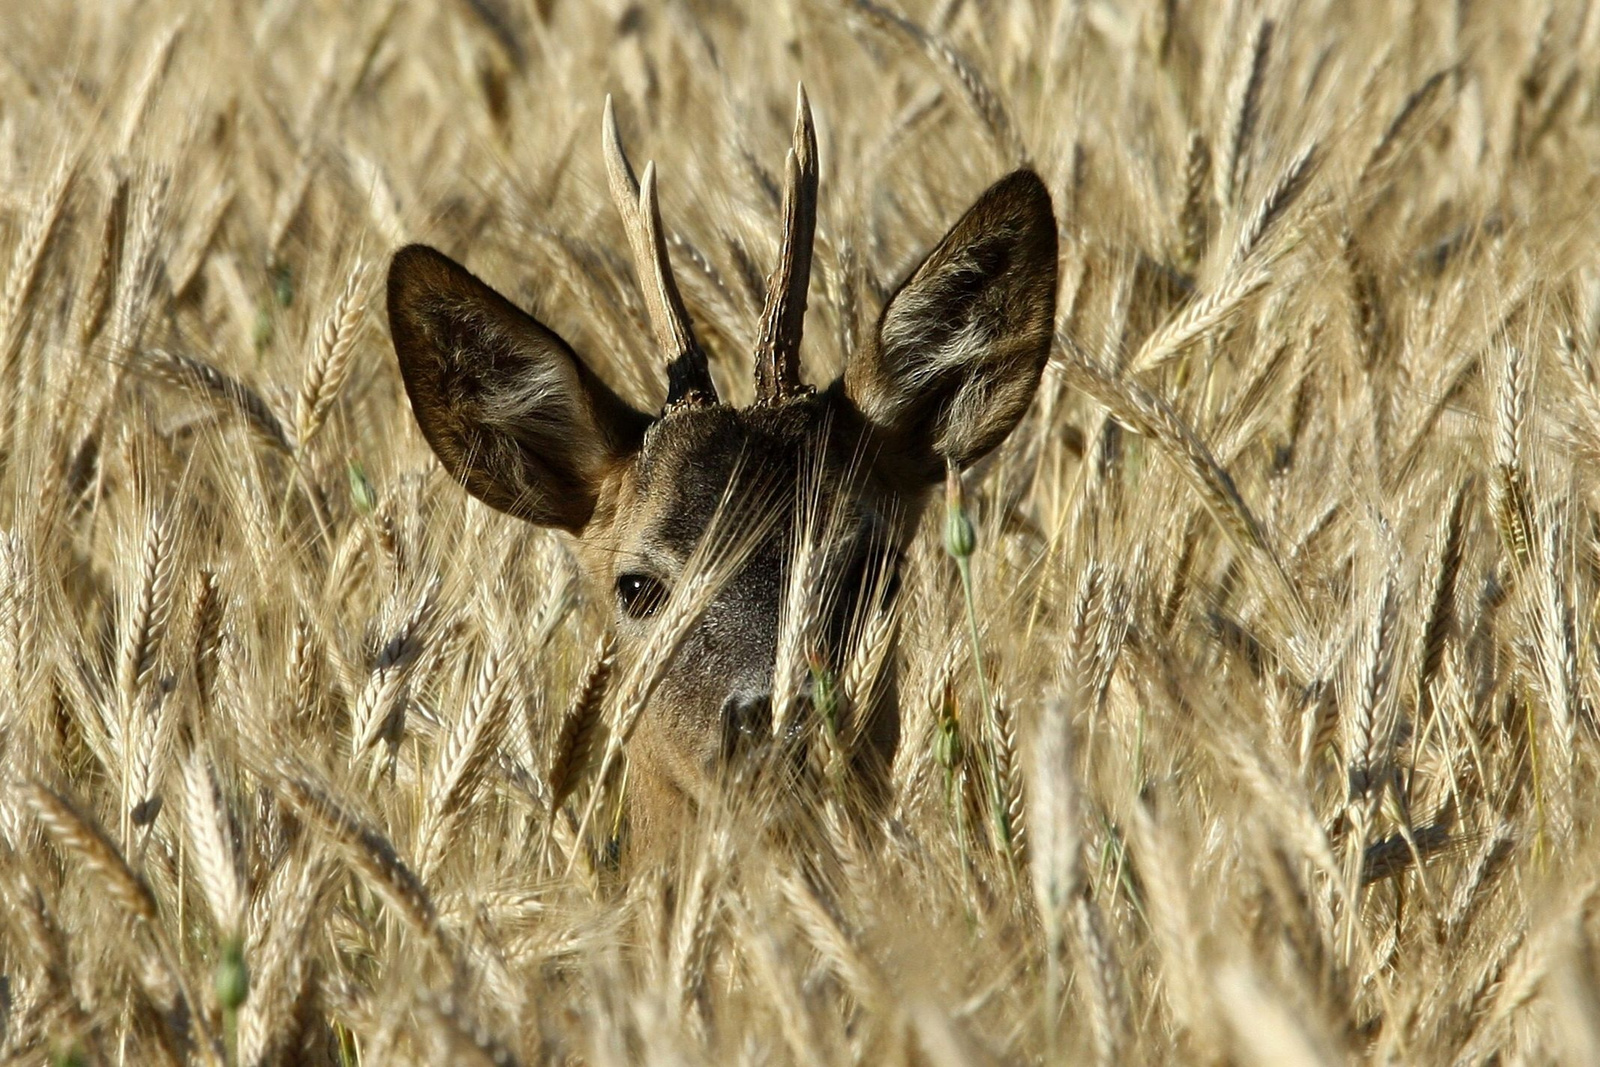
[543, 400]
[961, 345]
[928, 334]
[545, 390]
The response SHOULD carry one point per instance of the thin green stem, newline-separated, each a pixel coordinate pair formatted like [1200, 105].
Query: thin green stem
[961, 541]
[997, 800]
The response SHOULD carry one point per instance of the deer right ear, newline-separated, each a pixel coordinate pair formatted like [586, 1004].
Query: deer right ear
[510, 410]
[960, 347]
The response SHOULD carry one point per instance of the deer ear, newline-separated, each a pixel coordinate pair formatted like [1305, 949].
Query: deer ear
[960, 346]
[510, 410]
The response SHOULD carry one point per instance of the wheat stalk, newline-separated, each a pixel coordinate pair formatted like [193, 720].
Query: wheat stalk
[1244, 107]
[219, 387]
[465, 756]
[581, 725]
[148, 85]
[1510, 492]
[330, 364]
[283, 968]
[140, 736]
[980, 96]
[367, 851]
[77, 835]
[1192, 214]
[1200, 317]
[1393, 139]
[381, 697]
[19, 620]
[1275, 206]
[217, 858]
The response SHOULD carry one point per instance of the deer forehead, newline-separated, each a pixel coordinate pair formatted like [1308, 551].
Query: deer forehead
[765, 461]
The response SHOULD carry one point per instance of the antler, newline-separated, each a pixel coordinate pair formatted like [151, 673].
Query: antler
[783, 316]
[688, 375]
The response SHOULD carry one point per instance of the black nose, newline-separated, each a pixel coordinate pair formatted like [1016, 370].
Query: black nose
[746, 722]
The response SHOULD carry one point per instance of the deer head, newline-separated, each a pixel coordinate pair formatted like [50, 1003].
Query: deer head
[839, 475]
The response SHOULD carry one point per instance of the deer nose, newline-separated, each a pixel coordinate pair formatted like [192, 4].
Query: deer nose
[746, 722]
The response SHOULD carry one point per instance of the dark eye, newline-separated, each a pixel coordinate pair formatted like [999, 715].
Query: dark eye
[640, 595]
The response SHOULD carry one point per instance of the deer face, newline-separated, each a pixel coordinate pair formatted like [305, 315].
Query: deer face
[805, 498]
[786, 499]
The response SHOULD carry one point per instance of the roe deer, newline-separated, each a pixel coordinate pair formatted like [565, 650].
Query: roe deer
[522, 422]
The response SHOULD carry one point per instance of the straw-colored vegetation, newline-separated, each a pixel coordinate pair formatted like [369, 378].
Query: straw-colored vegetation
[1285, 588]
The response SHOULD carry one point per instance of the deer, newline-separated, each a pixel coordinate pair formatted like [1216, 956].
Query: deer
[523, 423]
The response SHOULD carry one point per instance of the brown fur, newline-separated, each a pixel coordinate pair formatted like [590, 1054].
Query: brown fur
[516, 417]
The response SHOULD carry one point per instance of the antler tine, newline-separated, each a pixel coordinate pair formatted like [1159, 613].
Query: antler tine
[783, 316]
[619, 172]
[688, 375]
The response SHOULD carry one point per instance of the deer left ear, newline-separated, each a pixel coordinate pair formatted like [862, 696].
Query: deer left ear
[960, 346]
[510, 410]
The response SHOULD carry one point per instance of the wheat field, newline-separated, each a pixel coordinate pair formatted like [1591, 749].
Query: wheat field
[1284, 592]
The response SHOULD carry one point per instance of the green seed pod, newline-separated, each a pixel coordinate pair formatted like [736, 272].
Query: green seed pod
[261, 331]
[231, 978]
[825, 694]
[283, 284]
[960, 538]
[947, 748]
[361, 491]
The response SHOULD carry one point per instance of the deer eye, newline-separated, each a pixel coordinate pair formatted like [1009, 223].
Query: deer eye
[640, 595]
